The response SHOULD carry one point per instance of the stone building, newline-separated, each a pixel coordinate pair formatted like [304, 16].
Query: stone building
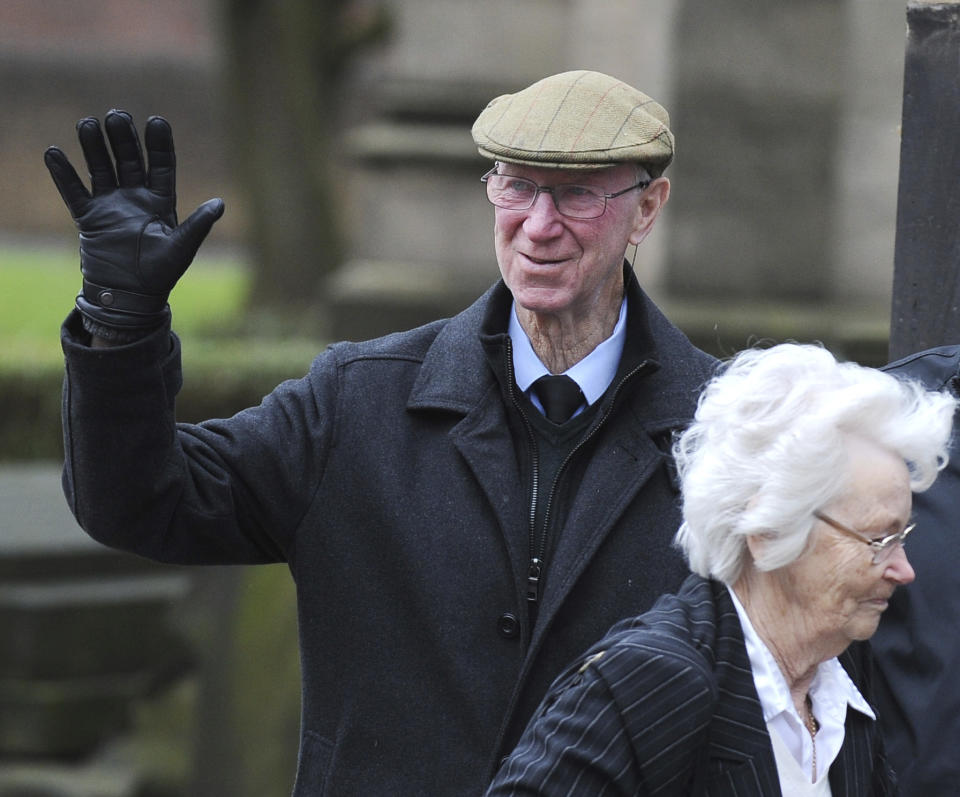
[781, 221]
[786, 117]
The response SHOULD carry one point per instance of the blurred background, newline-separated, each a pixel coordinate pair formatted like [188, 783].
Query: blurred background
[337, 132]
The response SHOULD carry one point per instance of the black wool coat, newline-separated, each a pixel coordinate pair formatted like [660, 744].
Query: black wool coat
[394, 479]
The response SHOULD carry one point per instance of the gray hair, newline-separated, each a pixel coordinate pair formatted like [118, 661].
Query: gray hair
[765, 449]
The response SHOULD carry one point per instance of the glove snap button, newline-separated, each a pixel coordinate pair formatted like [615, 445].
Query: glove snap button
[106, 298]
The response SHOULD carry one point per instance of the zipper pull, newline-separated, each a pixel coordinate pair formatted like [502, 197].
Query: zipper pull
[533, 580]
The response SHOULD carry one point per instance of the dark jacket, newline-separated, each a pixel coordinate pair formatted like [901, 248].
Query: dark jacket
[917, 645]
[665, 704]
[395, 481]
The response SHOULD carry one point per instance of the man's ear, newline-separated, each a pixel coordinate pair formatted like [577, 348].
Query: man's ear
[653, 199]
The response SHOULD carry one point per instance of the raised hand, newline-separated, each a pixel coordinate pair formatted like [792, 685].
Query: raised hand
[132, 251]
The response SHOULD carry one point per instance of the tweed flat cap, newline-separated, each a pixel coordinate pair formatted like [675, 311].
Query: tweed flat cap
[576, 120]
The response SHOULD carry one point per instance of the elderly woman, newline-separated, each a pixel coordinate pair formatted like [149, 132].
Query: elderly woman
[797, 476]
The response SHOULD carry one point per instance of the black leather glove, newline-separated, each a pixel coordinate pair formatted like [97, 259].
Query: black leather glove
[132, 252]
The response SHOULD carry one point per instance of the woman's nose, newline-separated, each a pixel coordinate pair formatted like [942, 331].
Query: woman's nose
[898, 567]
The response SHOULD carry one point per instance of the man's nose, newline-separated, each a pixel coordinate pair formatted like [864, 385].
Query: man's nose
[543, 215]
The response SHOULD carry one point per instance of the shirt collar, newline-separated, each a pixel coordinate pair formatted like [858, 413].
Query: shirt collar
[593, 373]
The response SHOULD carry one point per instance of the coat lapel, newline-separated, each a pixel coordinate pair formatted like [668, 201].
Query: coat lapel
[483, 439]
[739, 745]
[853, 772]
[455, 377]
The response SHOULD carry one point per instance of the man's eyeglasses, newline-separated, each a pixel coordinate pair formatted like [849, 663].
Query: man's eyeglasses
[882, 548]
[573, 201]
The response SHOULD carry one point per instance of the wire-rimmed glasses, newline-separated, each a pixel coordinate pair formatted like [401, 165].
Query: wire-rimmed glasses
[510, 192]
[882, 547]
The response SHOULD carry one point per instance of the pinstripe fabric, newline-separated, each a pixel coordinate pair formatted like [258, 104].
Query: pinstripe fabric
[668, 697]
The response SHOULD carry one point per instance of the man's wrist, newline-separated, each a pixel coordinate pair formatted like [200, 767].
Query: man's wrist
[103, 335]
[117, 301]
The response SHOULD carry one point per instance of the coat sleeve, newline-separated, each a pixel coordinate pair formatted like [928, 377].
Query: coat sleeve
[628, 720]
[221, 492]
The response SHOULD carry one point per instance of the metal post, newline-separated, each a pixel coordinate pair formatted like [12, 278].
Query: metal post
[926, 294]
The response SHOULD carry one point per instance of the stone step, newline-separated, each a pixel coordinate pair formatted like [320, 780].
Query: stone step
[87, 631]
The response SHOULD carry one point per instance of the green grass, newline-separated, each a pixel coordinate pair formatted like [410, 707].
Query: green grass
[38, 284]
[226, 365]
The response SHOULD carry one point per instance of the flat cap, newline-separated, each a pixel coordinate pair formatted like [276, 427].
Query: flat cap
[576, 120]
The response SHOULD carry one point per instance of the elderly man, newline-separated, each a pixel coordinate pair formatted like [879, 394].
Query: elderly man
[457, 531]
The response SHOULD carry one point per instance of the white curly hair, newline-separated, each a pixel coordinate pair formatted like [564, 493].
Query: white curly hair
[766, 449]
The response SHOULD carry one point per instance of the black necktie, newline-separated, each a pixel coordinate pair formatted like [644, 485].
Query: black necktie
[560, 397]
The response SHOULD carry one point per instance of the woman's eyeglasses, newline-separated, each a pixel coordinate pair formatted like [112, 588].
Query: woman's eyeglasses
[882, 547]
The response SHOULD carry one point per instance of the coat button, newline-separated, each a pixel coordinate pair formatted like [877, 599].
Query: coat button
[508, 625]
